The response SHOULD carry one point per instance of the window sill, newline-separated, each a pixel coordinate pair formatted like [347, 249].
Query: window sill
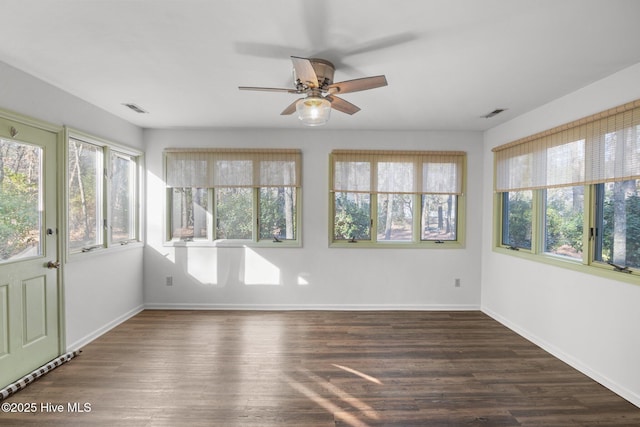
[600, 270]
[362, 244]
[76, 256]
[233, 244]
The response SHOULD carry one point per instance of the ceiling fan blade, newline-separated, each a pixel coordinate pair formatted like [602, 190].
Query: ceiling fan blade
[342, 105]
[290, 109]
[305, 72]
[356, 85]
[268, 89]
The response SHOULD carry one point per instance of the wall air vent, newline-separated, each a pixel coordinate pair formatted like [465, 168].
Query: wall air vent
[135, 108]
[494, 113]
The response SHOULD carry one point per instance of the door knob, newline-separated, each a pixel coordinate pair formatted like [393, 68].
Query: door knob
[53, 265]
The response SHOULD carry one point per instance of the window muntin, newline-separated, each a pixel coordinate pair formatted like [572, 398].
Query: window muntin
[252, 196]
[563, 221]
[102, 194]
[617, 227]
[403, 197]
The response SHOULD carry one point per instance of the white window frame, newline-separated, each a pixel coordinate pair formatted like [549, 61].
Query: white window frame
[107, 148]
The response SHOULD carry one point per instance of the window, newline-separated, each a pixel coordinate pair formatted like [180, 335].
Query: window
[572, 194]
[517, 208]
[102, 193]
[233, 196]
[617, 226]
[396, 197]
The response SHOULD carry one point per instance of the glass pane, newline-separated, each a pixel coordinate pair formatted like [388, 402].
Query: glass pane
[20, 200]
[85, 193]
[439, 217]
[278, 213]
[395, 217]
[516, 218]
[234, 212]
[123, 196]
[618, 223]
[189, 207]
[352, 219]
[563, 221]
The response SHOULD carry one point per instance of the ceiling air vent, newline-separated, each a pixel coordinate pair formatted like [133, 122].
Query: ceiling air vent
[494, 113]
[135, 108]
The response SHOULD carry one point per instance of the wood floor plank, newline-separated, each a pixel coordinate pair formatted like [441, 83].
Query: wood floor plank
[258, 369]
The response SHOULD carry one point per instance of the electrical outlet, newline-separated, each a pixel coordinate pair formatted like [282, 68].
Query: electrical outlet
[169, 280]
[456, 283]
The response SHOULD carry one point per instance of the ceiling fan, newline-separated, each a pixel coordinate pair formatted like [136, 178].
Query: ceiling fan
[313, 77]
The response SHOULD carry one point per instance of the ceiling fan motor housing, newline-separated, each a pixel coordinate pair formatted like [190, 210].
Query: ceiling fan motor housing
[324, 71]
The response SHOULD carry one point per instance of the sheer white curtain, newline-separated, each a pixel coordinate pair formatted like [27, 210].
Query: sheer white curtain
[599, 148]
[397, 172]
[207, 168]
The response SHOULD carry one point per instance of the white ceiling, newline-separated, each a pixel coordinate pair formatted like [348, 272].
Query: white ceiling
[448, 62]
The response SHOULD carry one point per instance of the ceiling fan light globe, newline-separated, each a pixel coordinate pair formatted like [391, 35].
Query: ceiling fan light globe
[313, 110]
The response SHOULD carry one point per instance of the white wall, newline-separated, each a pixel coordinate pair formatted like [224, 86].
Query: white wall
[314, 276]
[590, 322]
[99, 289]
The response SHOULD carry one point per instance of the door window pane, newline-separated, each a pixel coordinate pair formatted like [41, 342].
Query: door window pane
[439, 216]
[618, 223]
[352, 219]
[563, 227]
[395, 217]
[234, 212]
[20, 200]
[278, 213]
[85, 195]
[516, 218]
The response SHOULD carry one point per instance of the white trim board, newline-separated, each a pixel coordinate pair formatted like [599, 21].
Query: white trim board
[311, 307]
[566, 358]
[78, 344]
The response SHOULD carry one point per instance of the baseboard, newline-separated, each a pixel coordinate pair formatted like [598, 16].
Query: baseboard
[311, 307]
[104, 329]
[620, 390]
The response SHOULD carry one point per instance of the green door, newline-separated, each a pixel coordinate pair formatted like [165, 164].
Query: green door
[29, 310]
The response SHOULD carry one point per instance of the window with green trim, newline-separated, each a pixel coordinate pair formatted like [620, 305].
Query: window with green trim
[233, 196]
[573, 193]
[396, 198]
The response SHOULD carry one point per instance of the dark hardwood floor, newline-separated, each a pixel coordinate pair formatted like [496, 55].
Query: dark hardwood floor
[245, 368]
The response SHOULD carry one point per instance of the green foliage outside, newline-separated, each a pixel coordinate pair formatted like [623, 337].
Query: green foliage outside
[277, 213]
[19, 216]
[234, 212]
[518, 229]
[632, 241]
[352, 217]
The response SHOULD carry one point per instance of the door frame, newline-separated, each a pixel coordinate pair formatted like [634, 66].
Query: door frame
[60, 210]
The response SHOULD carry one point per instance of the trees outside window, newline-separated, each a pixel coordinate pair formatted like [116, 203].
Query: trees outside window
[396, 197]
[102, 195]
[227, 195]
[20, 199]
